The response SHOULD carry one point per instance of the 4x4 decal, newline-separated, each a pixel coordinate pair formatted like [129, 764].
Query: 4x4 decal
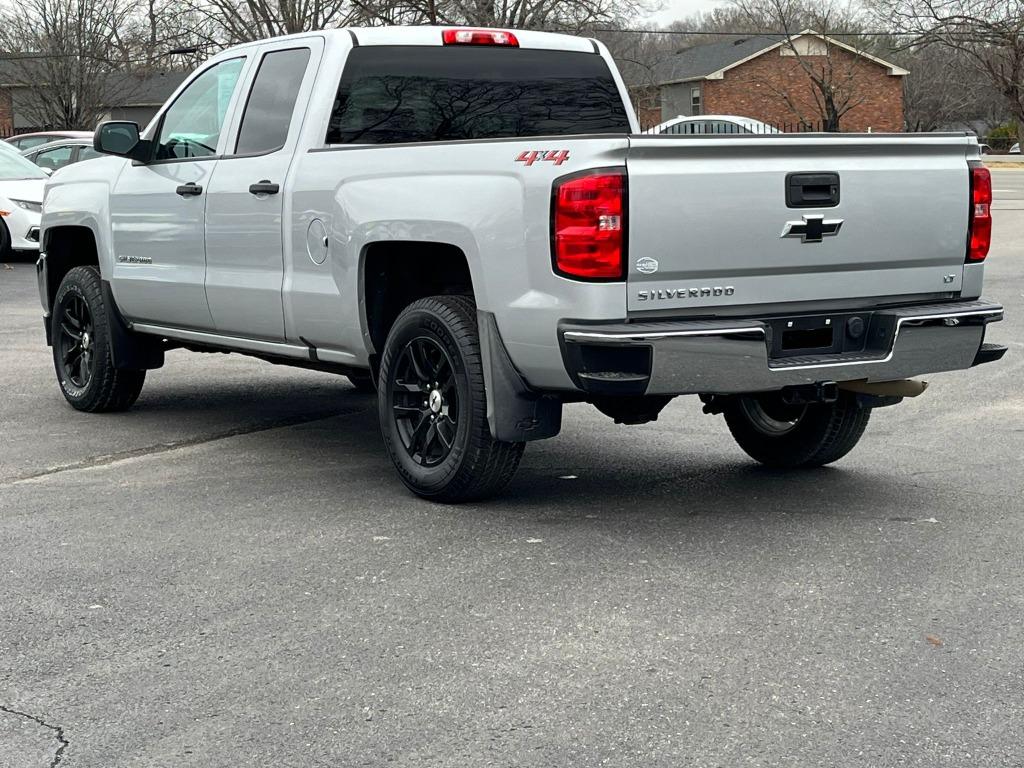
[556, 156]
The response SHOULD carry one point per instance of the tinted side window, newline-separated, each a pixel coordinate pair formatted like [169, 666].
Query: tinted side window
[191, 126]
[268, 112]
[394, 94]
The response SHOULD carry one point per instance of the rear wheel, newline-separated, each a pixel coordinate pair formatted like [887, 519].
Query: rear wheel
[789, 436]
[433, 407]
[82, 347]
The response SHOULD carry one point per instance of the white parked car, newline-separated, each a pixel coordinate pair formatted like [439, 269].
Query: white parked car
[704, 124]
[1015, 149]
[21, 200]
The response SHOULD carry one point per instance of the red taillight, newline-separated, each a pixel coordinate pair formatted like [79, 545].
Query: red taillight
[589, 225]
[478, 37]
[979, 231]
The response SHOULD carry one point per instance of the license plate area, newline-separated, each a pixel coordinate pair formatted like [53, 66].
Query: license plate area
[833, 334]
[803, 339]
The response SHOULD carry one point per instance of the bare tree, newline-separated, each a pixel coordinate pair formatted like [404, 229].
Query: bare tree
[562, 15]
[227, 22]
[944, 90]
[61, 54]
[989, 34]
[831, 87]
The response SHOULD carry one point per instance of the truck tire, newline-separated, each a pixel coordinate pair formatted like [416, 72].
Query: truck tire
[363, 383]
[5, 242]
[82, 348]
[433, 406]
[786, 437]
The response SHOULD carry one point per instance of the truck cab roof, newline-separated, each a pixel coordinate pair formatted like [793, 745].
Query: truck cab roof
[432, 36]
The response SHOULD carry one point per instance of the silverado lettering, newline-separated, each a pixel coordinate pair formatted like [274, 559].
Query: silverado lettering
[683, 293]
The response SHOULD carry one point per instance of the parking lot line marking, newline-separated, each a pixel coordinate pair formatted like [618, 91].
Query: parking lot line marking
[95, 462]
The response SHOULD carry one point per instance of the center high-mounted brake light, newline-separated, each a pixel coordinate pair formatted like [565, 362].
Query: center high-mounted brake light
[979, 228]
[588, 221]
[478, 37]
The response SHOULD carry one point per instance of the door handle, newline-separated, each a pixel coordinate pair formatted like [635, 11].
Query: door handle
[812, 190]
[264, 187]
[189, 190]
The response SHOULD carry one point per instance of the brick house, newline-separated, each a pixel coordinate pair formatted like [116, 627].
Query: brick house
[763, 77]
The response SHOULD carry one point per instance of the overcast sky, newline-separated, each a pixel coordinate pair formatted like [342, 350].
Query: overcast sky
[678, 9]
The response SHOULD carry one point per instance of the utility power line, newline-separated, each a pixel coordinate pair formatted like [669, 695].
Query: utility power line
[737, 33]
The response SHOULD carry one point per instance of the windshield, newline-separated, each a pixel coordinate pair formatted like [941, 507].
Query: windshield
[14, 166]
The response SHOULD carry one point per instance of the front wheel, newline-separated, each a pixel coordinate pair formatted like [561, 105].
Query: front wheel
[789, 436]
[433, 407]
[82, 347]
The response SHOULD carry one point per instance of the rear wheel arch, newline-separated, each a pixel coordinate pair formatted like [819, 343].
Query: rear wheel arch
[394, 274]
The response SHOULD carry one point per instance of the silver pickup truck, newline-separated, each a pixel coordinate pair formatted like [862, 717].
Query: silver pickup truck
[468, 222]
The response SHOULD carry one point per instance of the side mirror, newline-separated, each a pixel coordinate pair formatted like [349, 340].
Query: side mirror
[47, 171]
[121, 138]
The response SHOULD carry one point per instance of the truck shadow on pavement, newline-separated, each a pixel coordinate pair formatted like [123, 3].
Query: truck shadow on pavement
[583, 474]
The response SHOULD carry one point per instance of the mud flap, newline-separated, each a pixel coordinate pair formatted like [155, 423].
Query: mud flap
[515, 413]
[129, 350]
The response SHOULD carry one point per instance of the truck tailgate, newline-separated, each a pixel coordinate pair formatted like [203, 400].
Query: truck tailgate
[726, 220]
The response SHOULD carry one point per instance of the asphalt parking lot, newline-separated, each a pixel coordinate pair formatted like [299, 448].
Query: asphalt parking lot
[232, 575]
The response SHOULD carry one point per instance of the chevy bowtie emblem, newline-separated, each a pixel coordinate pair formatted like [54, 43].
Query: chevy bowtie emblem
[812, 228]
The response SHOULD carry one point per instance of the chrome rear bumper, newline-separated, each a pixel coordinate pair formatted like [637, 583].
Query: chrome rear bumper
[723, 356]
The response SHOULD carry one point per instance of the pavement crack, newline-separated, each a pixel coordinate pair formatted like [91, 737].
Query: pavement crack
[151, 450]
[58, 730]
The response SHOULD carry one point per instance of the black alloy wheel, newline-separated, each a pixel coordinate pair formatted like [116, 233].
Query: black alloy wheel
[76, 345]
[432, 404]
[425, 401]
[83, 350]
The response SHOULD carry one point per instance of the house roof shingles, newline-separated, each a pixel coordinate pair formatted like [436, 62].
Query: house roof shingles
[131, 88]
[702, 60]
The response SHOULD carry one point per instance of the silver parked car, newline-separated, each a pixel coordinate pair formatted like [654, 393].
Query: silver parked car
[29, 140]
[57, 154]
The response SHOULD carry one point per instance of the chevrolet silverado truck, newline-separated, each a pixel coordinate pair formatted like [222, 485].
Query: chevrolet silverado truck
[469, 222]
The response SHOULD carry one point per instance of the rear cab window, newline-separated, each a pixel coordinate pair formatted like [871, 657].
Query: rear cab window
[268, 112]
[402, 94]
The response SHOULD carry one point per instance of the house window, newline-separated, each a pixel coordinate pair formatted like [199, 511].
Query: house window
[695, 101]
